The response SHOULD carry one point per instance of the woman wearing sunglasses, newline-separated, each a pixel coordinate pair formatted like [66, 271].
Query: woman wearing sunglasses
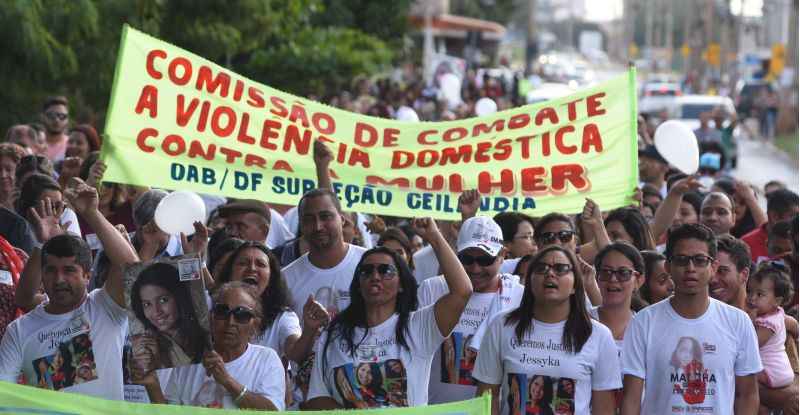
[235, 374]
[382, 323]
[551, 334]
[620, 273]
[279, 328]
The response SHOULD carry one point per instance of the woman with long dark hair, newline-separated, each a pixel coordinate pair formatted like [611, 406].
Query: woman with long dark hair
[551, 334]
[174, 336]
[279, 326]
[629, 225]
[382, 323]
[658, 283]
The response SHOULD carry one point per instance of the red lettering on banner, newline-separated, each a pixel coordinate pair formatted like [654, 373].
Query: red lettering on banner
[591, 138]
[402, 159]
[519, 121]
[525, 145]
[390, 136]
[482, 128]
[254, 160]
[436, 184]
[282, 165]
[202, 122]
[593, 104]
[458, 132]
[238, 90]
[362, 129]
[149, 64]
[177, 141]
[255, 97]
[505, 150]
[358, 157]
[400, 182]
[184, 113]
[533, 180]
[299, 112]
[427, 158]
[301, 144]
[546, 143]
[480, 153]
[317, 119]
[572, 112]
[216, 121]
[173, 71]
[196, 149]
[148, 100]
[230, 154]
[455, 155]
[568, 173]
[421, 137]
[506, 183]
[221, 81]
[268, 132]
[548, 113]
[279, 110]
[242, 136]
[560, 146]
[144, 135]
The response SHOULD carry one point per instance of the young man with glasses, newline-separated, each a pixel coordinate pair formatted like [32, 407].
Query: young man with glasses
[480, 251]
[691, 354]
[55, 116]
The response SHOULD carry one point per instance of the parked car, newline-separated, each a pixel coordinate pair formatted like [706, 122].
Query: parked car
[657, 96]
[687, 109]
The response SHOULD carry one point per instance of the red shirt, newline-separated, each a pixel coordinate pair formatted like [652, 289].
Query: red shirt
[757, 241]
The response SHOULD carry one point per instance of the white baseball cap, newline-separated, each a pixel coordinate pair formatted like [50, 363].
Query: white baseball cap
[480, 232]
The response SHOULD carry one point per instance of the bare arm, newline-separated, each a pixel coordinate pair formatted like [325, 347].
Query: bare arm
[320, 403]
[315, 317]
[764, 335]
[84, 200]
[449, 307]
[632, 387]
[748, 195]
[665, 214]
[746, 400]
[495, 391]
[603, 402]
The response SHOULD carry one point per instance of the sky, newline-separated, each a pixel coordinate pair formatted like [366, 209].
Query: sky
[605, 10]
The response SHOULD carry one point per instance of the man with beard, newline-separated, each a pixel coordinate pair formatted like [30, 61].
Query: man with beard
[55, 116]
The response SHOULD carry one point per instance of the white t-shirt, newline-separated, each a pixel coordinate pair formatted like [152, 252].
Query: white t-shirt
[79, 351]
[538, 372]
[330, 287]
[509, 265]
[258, 368]
[382, 373]
[451, 379]
[276, 334]
[426, 265]
[689, 365]
[279, 232]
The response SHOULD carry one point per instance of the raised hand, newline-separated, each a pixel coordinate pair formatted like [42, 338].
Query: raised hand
[96, 173]
[468, 203]
[377, 226]
[82, 197]
[426, 228]
[46, 220]
[215, 367]
[744, 191]
[199, 242]
[315, 315]
[638, 196]
[322, 154]
[687, 184]
[592, 214]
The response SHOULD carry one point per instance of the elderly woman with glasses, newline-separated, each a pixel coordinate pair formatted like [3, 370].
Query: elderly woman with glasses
[235, 374]
[377, 352]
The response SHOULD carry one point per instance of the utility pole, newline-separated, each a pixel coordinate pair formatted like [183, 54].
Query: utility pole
[669, 9]
[531, 47]
[648, 29]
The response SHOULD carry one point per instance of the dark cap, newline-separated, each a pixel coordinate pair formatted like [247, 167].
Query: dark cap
[236, 207]
[651, 152]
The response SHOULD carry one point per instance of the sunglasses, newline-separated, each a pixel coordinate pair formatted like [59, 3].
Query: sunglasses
[698, 260]
[483, 260]
[241, 315]
[56, 115]
[623, 274]
[559, 270]
[386, 271]
[550, 237]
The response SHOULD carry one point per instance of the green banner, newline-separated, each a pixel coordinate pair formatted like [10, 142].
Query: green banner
[178, 121]
[20, 399]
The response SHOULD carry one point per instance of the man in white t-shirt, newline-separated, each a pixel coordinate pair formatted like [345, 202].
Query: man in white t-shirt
[480, 250]
[72, 342]
[692, 353]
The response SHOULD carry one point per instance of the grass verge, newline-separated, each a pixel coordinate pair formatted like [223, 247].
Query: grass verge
[788, 143]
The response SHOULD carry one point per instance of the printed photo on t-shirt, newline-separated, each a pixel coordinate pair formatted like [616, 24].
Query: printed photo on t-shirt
[540, 395]
[457, 360]
[690, 380]
[168, 316]
[72, 364]
[372, 384]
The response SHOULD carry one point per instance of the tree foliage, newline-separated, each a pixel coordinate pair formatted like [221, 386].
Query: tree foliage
[68, 47]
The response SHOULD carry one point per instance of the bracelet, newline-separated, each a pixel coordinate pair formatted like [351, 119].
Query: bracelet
[241, 395]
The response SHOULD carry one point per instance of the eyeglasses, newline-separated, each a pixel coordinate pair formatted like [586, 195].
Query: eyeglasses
[483, 260]
[550, 237]
[56, 115]
[241, 315]
[560, 270]
[698, 260]
[386, 271]
[623, 274]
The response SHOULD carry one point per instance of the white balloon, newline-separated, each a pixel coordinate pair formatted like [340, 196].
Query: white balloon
[405, 113]
[178, 211]
[485, 106]
[677, 144]
[450, 86]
